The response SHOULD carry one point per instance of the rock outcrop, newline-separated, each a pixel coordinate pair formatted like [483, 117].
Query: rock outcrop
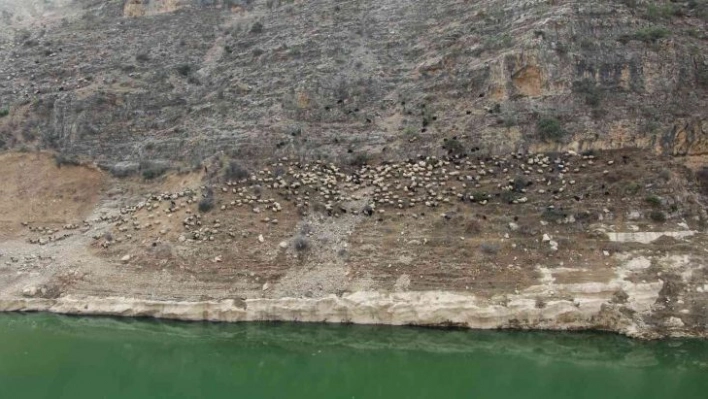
[437, 309]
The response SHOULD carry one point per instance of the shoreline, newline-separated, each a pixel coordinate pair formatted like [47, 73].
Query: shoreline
[426, 309]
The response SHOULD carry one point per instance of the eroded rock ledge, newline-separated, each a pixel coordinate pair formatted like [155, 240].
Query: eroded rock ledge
[430, 308]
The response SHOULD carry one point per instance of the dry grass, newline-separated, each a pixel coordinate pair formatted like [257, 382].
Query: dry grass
[35, 190]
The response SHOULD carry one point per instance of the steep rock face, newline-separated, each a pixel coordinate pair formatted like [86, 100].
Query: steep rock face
[688, 137]
[181, 80]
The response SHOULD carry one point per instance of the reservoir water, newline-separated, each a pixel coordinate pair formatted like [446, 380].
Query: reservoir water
[50, 356]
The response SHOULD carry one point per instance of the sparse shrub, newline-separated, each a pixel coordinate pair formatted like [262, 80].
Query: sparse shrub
[656, 12]
[30, 132]
[409, 131]
[561, 48]
[4, 112]
[649, 126]
[665, 174]
[549, 129]
[540, 303]
[453, 147]
[698, 8]
[472, 227]
[301, 244]
[120, 173]
[702, 178]
[657, 216]
[614, 247]
[428, 117]
[160, 250]
[508, 119]
[206, 204]
[508, 196]
[152, 173]
[480, 196]
[553, 215]
[184, 69]
[294, 130]
[589, 90]
[359, 160]
[489, 248]
[587, 44]
[584, 216]
[695, 33]
[235, 171]
[306, 229]
[318, 207]
[152, 170]
[653, 200]
[632, 188]
[498, 42]
[61, 160]
[257, 28]
[122, 170]
[649, 34]
[701, 76]
[614, 176]
[520, 183]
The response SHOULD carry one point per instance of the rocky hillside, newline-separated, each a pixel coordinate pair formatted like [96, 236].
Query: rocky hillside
[176, 82]
[489, 164]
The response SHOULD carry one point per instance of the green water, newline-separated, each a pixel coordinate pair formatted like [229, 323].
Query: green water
[47, 356]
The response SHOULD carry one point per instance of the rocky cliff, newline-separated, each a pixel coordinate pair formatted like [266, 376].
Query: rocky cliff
[180, 80]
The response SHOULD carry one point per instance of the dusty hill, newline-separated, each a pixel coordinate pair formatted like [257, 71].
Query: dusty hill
[477, 163]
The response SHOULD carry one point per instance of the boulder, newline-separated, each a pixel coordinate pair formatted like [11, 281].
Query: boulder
[30, 291]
